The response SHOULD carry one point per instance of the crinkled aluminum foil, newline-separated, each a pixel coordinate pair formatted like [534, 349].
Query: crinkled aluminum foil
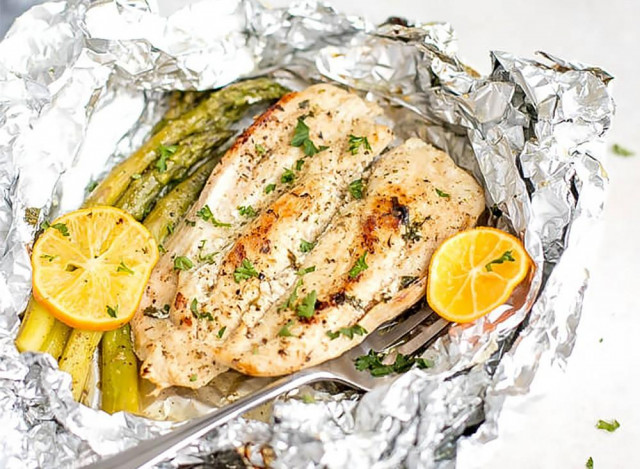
[80, 78]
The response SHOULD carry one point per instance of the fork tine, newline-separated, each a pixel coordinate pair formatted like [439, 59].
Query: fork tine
[379, 341]
[425, 335]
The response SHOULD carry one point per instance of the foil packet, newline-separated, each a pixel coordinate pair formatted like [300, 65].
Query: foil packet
[81, 78]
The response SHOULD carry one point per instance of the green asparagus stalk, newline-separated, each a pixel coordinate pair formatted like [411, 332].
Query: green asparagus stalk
[119, 372]
[205, 115]
[169, 210]
[77, 356]
[35, 328]
[179, 103]
[142, 192]
[56, 339]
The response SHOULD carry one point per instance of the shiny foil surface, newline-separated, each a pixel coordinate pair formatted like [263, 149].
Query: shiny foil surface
[80, 84]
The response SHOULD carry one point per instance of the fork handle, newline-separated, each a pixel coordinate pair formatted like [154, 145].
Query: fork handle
[152, 451]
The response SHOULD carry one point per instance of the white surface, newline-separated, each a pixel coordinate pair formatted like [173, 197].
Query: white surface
[554, 425]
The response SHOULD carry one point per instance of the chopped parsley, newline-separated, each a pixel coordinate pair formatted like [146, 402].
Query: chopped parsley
[349, 332]
[310, 149]
[170, 228]
[44, 225]
[48, 257]
[284, 331]
[608, 426]
[136, 176]
[299, 164]
[182, 263]
[306, 270]
[301, 139]
[123, 268]
[193, 378]
[423, 363]
[306, 246]
[356, 189]
[91, 186]
[113, 312]
[165, 152]
[621, 151]
[247, 211]
[190, 222]
[161, 248]
[506, 256]
[292, 297]
[157, 313]
[300, 134]
[207, 258]
[356, 142]
[245, 271]
[270, 188]
[62, 228]
[260, 150]
[589, 464]
[308, 305]
[359, 267]
[287, 177]
[206, 215]
[197, 314]
[221, 332]
[372, 362]
[442, 193]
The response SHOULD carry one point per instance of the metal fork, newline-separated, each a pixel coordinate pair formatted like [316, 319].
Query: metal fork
[406, 337]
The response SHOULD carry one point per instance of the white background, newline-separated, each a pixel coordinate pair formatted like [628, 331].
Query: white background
[554, 425]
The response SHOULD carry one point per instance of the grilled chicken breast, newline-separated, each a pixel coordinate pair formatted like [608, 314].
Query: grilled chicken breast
[238, 252]
[367, 267]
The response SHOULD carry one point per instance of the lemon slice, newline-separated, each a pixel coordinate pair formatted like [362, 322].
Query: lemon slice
[474, 272]
[90, 267]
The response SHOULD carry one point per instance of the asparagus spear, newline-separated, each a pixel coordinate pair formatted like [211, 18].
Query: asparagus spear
[169, 209]
[36, 326]
[119, 372]
[179, 103]
[205, 115]
[141, 193]
[56, 339]
[77, 356]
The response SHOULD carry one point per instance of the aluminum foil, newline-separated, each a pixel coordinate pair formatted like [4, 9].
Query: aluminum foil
[79, 79]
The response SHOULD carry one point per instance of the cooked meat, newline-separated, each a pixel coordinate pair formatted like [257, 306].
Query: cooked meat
[243, 236]
[415, 198]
